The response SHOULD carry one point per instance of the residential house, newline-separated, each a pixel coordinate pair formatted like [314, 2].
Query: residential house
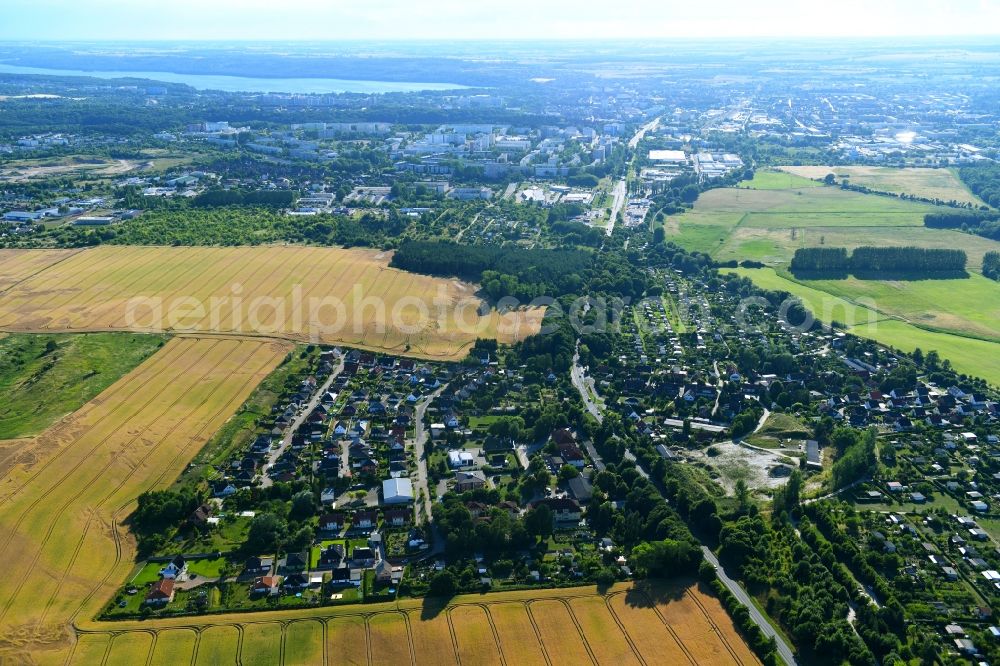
[265, 585]
[160, 593]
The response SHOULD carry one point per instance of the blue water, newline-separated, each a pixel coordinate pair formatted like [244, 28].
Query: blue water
[246, 84]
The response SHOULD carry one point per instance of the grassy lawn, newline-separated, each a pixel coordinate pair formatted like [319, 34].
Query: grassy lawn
[824, 306]
[148, 574]
[970, 306]
[775, 245]
[203, 568]
[206, 568]
[482, 422]
[45, 377]
[225, 537]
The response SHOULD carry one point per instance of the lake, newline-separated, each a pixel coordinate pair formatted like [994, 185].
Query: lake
[246, 84]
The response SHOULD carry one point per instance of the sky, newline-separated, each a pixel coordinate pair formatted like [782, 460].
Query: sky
[255, 20]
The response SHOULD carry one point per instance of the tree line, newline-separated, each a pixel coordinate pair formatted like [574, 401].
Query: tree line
[991, 265]
[984, 181]
[904, 263]
[982, 223]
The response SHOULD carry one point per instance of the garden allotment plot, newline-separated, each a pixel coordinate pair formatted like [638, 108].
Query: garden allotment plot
[62, 503]
[326, 295]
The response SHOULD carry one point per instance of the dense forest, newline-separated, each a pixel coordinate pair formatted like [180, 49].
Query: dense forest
[879, 263]
[522, 273]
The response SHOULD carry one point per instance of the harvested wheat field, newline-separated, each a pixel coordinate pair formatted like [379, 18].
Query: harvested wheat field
[327, 295]
[61, 538]
[18, 265]
[570, 625]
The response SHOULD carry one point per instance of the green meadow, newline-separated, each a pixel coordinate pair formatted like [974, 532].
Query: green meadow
[767, 218]
[969, 355]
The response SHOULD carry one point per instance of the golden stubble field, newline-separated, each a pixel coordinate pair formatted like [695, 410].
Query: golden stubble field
[64, 495]
[627, 624]
[306, 294]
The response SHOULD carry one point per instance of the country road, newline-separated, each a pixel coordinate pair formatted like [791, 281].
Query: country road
[784, 650]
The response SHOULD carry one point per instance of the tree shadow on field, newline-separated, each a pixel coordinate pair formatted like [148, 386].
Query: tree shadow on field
[433, 606]
[649, 593]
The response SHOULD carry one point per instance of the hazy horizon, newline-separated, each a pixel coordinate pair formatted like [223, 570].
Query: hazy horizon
[511, 20]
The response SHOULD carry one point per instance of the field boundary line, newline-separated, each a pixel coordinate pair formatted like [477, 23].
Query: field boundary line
[454, 637]
[239, 643]
[228, 407]
[111, 461]
[152, 647]
[493, 628]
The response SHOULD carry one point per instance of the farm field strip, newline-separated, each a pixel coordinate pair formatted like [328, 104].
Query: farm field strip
[559, 631]
[577, 626]
[517, 633]
[650, 636]
[607, 638]
[326, 295]
[389, 638]
[431, 638]
[475, 635]
[65, 548]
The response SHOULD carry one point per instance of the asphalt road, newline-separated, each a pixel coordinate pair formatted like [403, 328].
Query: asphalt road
[581, 382]
[619, 194]
[784, 650]
[419, 439]
[286, 440]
